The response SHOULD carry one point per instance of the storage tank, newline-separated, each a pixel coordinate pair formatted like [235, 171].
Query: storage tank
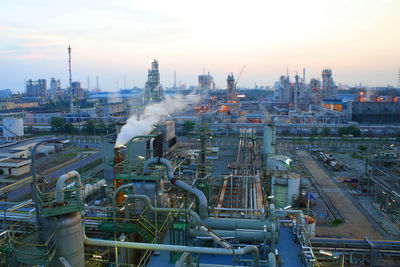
[293, 187]
[13, 128]
[69, 236]
[269, 140]
[310, 225]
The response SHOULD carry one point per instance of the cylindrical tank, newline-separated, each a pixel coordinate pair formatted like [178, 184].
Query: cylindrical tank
[13, 128]
[269, 140]
[293, 187]
[69, 236]
[310, 225]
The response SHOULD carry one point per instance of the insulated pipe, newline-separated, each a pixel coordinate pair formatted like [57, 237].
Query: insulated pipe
[115, 195]
[199, 194]
[147, 202]
[61, 183]
[233, 224]
[93, 188]
[243, 235]
[175, 248]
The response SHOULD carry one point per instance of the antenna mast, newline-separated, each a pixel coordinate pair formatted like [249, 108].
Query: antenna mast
[398, 81]
[70, 80]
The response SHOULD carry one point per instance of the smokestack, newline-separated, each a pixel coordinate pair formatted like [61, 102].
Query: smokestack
[117, 169]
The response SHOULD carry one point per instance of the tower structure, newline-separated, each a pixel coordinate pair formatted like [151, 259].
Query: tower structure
[329, 89]
[285, 94]
[206, 82]
[70, 81]
[231, 98]
[398, 81]
[153, 88]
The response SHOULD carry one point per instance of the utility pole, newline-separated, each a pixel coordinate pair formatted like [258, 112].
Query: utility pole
[70, 81]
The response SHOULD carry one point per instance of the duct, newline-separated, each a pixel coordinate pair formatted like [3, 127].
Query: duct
[90, 189]
[199, 194]
[146, 199]
[61, 183]
[176, 248]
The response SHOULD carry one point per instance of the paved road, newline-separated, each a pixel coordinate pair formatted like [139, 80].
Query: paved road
[355, 225]
[26, 186]
[76, 165]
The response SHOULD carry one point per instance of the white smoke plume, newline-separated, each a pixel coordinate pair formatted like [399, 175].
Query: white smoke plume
[152, 114]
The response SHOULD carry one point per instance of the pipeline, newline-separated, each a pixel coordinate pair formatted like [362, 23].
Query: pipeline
[61, 183]
[90, 189]
[199, 194]
[146, 200]
[222, 224]
[175, 248]
[114, 197]
[244, 235]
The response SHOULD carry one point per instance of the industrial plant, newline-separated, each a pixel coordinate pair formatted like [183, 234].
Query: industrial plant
[303, 174]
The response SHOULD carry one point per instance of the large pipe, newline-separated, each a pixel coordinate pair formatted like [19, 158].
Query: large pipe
[233, 224]
[90, 189]
[243, 235]
[146, 200]
[175, 248]
[203, 210]
[61, 183]
[114, 197]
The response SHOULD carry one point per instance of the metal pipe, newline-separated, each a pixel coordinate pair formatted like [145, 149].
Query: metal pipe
[61, 183]
[175, 248]
[115, 195]
[128, 156]
[203, 210]
[34, 183]
[243, 235]
[93, 188]
[232, 224]
[147, 202]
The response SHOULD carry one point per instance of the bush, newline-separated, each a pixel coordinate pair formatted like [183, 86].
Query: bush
[363, 148]
[325, 131]
[336, 222]
[314, 131]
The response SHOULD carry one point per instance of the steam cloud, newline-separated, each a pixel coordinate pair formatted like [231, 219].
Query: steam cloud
[152, 114]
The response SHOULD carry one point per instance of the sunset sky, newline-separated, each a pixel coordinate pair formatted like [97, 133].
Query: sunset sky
[358, 39]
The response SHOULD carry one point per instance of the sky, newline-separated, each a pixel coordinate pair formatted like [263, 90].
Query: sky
[358, 39]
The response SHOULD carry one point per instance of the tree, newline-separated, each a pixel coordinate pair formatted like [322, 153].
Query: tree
[353, 130]
[90, 126]
[314, 131]
[68, 128]
[57, 124]
[188, 125]
[311, 139]
[325, 131]
[341, 131]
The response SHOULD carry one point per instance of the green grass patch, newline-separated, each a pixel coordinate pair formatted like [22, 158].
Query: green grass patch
[355, 156]
[337, 222]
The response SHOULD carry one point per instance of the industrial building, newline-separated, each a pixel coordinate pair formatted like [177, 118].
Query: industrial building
[329, 89]
[36, 88]
[153, 88]
[206, 82]
[77, 91]
[376, 112]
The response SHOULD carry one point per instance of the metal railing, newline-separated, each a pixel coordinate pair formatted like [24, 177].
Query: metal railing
[27, 250]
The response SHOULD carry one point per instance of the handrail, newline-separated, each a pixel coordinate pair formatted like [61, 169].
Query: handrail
[13, 184]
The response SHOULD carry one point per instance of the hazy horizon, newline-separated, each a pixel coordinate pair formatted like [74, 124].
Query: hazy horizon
[357, 39]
